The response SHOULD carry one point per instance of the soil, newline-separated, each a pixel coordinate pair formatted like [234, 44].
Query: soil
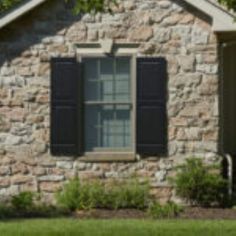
[208, 213]
[188, 213]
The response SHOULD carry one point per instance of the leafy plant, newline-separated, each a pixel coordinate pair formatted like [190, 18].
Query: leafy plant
[92, 6]
[199, 184]
[68, 198]
[169, 210]
[7, 4]
[116, 195]
[6, 211]
[79, 6]
[23, 202]
[231, 4]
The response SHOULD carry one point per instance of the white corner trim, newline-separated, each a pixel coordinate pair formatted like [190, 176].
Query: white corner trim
[16, 13]
[222, 20]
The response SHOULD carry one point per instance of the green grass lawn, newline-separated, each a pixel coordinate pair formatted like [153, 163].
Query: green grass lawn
[117, 227]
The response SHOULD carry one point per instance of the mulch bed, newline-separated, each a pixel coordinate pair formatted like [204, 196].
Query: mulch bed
[188, 213]
[208, 213]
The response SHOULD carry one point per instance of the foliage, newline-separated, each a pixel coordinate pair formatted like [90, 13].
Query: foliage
[92, 6]
[169, 210]
[116, 195]
[23, 202]
[231, 4]
[7, 4]
[79, 6]
[25, 205]
[6, 211]
[68, 198]
[199, 184]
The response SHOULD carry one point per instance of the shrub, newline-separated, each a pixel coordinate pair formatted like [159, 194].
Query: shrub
[198, 184]
[68, 198]
[23, 201]
[169, 210]
[132, 194]
[116, 195]
[6, 211]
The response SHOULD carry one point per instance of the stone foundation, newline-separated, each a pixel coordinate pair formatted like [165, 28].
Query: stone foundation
[163, 28]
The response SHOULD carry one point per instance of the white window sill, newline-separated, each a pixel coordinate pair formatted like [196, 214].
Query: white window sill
[108, 157]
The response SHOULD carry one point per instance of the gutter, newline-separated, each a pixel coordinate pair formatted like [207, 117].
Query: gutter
[227, 156]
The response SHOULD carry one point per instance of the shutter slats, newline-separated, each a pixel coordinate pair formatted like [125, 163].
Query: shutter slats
[151, 106]
[64, 106]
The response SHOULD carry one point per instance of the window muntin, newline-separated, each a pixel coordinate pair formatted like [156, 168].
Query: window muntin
[108, 104]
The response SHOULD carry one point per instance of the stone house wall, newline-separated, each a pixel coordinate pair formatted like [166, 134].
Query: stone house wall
[163, 28]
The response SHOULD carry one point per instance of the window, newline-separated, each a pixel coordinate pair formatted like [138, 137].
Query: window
[99, 105]
[107, 104]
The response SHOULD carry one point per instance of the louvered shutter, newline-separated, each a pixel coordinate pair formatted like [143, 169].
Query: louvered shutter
[65, 77]
[151, 106]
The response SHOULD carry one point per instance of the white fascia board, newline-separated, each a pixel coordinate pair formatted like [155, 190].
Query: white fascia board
[222, 20]
[19, 11]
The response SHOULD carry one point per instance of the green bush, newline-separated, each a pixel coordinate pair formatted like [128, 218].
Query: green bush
[116, 195]
[7, 4]
[24, 205]
[169, 210]
[199, 184]
[23, 201]
[69, 197]
[6, 211]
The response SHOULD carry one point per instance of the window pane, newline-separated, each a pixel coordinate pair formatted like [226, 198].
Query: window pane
[107, 90]
[107, 126]
[108, 79]
[91, 75]
[106, 68]
[122, 80]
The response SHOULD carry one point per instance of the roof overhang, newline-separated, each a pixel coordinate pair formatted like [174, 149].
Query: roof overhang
[19, 11]
[223, 20]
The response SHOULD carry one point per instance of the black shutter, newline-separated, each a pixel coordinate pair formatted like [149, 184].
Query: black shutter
[151, 106]
[64, 106]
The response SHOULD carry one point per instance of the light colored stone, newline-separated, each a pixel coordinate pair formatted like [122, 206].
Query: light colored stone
[49, 187]
[13, 140]
[51, 178]
[164, 4]
[162, 35]
[161, 175]
[4, 182]
[187, 63]
[5, 171]
[64, 164]
[142, 33]
[20, 179]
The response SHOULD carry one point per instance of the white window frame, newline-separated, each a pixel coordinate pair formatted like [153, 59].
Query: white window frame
[94, 50]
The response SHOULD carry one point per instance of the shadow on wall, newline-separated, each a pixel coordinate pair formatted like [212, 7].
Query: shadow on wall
[45, 21]
[196, 12]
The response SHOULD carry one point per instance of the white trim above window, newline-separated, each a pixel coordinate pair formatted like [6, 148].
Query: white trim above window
[106, 47]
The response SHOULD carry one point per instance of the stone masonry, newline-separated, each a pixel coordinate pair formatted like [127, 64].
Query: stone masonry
[163, 28]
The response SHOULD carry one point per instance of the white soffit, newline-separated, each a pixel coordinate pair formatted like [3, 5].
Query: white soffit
[19, 11]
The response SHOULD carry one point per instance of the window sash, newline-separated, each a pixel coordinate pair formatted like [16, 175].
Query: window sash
[127, 102]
